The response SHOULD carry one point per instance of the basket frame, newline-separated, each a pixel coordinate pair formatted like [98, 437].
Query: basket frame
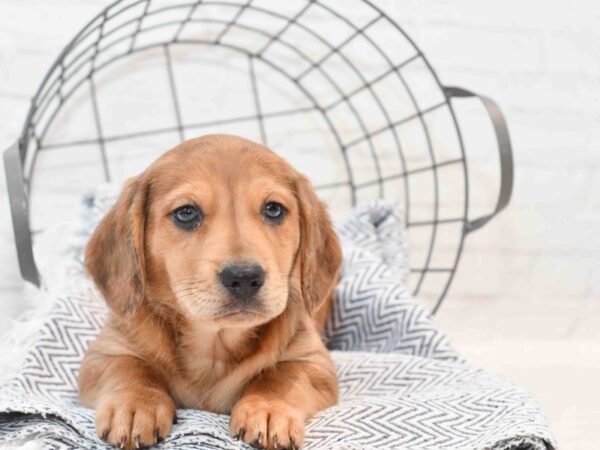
[20, 158]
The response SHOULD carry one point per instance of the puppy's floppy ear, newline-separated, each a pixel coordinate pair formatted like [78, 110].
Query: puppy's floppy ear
[320, 255]
[114, 256]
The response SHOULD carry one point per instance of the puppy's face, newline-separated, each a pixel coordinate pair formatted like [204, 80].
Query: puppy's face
[223, 232]
[220, 230]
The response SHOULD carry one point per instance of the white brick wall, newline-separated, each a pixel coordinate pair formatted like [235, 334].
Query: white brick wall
[528, 285]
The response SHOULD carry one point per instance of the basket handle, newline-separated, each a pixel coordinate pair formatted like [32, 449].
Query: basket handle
[504, 149]
[19, 208]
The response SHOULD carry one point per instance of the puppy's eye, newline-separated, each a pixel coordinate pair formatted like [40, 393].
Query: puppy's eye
[273, 212]
[187, 217]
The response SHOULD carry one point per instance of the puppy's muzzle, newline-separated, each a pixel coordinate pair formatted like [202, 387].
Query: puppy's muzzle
[242, 280]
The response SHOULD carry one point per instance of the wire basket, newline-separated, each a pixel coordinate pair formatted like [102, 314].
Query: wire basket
[340, 91]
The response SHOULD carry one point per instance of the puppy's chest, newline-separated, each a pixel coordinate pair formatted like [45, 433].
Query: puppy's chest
[205, 380]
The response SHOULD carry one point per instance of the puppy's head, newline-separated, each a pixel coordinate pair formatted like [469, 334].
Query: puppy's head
[220, 230]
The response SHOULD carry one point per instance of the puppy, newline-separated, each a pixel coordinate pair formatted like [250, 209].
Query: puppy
[218, 264]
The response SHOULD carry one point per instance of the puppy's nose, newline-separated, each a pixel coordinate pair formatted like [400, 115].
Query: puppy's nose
[242, 280]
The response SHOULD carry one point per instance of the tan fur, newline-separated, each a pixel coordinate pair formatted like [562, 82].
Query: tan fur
[172, 339]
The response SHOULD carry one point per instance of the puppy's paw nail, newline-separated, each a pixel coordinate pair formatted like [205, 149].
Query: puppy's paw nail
[257, 443]
[137, 441]
[276, 445]
[122, 442]
[241, 433]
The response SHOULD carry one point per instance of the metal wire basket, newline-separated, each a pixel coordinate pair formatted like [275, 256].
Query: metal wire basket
[341, 91]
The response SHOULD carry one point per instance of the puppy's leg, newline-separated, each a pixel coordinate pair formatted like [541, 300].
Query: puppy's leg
[275, 406]
[133, 407]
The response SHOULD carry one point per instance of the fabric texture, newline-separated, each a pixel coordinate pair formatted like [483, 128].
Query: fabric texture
[402, 386]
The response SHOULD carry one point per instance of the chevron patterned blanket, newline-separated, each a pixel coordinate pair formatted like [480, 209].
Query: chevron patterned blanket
[402, 386]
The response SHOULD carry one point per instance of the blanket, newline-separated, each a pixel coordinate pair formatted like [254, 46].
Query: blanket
[402, 386]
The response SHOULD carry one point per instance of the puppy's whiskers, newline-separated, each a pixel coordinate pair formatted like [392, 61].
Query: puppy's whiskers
[191, 283]
[187, 286]
[187, 281]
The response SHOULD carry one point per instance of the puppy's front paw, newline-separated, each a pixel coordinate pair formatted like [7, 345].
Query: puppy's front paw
[269, 424]
[134, 418]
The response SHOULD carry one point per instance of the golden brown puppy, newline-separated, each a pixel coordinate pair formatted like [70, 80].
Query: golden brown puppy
[218, 263]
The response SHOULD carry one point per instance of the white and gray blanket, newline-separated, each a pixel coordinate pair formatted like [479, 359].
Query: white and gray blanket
[402, 386]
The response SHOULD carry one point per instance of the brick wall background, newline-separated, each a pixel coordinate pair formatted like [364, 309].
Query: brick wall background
[526, 300]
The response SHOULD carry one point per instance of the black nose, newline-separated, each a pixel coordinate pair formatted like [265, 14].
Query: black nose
[242, 280]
